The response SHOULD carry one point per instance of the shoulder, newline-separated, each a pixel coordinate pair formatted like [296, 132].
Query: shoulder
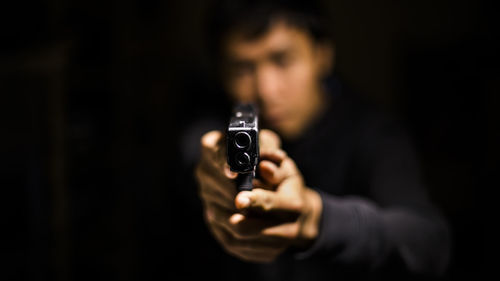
[372, 118]
[371, 125]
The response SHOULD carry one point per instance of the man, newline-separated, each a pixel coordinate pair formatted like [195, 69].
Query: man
[347, 173]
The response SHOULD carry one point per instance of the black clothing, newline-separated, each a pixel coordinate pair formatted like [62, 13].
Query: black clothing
[377, 221]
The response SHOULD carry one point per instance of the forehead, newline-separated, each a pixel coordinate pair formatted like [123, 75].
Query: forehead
[279, 37]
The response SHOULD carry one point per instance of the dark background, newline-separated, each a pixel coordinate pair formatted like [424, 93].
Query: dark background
[94, 95]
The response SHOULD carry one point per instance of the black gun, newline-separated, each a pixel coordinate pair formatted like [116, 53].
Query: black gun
[243, 144]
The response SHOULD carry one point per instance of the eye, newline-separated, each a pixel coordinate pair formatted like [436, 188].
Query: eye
[241, 68]
[281, 59]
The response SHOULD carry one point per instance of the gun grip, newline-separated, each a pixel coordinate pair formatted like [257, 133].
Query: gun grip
[244, 181]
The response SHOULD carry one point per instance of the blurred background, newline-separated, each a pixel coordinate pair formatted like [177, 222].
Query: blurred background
[94, 96]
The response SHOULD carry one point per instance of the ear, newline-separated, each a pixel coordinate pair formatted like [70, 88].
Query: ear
[325, 55]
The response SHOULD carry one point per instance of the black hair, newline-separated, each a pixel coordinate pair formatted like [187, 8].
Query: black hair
[254, 17]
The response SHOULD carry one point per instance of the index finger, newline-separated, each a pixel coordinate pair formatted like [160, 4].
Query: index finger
[211, 141]
[214, 151]
[268, 140]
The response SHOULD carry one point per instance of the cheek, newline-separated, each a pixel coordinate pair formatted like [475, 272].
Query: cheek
[300, 84]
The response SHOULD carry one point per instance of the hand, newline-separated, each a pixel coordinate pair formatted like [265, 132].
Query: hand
[216, 185]
[288, 212]
[215, 179]
[217, 189]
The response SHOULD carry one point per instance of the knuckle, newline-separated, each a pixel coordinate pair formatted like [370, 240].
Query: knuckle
[297, 205]
[210, 138]
[263, 199]
[198, 172]
[294, 231]
[237, 234]
[267, 203]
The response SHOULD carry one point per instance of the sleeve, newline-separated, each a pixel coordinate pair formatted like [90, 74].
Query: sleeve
[395, 222]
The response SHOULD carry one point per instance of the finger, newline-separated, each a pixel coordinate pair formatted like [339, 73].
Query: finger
[208, 180]
[274, 155]
[216, 215]
[257, 183]
[211, 196]
[250, 253]
[246, 228]
[228, 173]
[256, 255]
[210, 141]
[243, 233]
[268, 140]
[252, 227]
[286, 176]
[271, 173]
[236, 232]
[274, 231]
[208, 169]
[260, 242]
[288, 231]
[267, 201]
[214, 148]
[210, 165]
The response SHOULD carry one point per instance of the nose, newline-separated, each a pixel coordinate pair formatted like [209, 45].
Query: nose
[267, 84]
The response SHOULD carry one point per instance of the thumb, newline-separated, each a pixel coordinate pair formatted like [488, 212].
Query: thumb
[265, 201]
[268, 140]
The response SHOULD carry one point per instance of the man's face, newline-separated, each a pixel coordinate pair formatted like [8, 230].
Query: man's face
[281, 71]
